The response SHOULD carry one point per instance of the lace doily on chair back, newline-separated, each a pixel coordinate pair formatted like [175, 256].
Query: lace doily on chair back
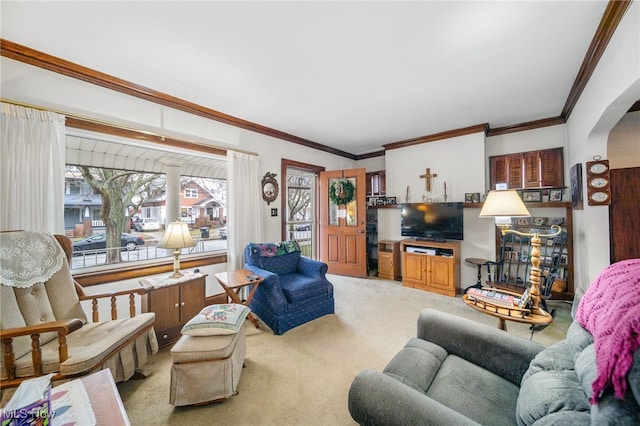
[28, 257]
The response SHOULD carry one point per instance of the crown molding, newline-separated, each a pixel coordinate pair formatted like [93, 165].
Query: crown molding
[609, 22]
[438, 136]
[529, 125]
[370, 155]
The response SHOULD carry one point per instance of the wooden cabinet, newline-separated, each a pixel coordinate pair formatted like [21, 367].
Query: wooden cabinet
[174, 301]
[389, 264]
[432, 266]
[533, 169]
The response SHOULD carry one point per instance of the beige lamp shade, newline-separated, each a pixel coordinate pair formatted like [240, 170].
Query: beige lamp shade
[177, 236]
[506, 203]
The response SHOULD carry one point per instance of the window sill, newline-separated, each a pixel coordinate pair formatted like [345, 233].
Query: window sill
[129, 271]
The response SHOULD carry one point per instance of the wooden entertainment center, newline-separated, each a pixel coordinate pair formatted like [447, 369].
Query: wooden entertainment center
[431, 265]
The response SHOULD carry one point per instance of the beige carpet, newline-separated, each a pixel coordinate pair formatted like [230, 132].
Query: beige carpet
[303, 376]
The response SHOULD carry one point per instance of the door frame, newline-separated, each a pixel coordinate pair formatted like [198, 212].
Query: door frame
[284, 165]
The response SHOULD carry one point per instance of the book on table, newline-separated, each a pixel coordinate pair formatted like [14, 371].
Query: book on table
[492, 297]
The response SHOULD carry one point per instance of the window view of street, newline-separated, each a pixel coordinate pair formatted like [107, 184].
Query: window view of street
[85, 258]
[300, 208]
[118, 216]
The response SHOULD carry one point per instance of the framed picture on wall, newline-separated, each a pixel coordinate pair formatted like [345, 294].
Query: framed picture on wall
[532, 196]
[576, 187]
[555, 195]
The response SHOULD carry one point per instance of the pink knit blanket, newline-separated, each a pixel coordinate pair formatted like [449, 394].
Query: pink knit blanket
[610, 311]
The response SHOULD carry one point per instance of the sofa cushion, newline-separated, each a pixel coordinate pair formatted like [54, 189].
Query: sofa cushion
[42, 302]
[11, 318]
[280, 265]
[197, 349]
[299, 288]
[416, 365]
[87, 346]
[63, 297]
[214, 320]
[427, 368]
[474, 392]
[552, 386]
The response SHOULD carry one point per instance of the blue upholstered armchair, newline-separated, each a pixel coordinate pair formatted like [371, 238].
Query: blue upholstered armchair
[295, 289]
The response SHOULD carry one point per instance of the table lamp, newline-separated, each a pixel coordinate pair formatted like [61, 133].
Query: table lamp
[176, 237]
[504, 204]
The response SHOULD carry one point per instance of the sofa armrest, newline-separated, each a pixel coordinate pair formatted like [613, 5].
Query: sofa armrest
[312, 268]
[112, 295]
[377, 399]
[490, 348]
[269, 289]
[62, 327]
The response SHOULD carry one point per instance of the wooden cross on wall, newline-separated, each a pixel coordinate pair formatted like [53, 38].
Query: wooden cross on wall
[427, 177]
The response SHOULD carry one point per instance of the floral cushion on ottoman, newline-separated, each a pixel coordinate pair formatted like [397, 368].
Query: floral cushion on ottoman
[215, 320]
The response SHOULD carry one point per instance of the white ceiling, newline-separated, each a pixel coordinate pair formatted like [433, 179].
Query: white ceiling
[349, 75]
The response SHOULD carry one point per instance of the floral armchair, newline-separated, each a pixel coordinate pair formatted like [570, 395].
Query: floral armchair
[295, 289]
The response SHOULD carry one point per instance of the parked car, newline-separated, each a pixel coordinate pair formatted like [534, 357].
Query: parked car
[223, 232]
[147, 224]
[303, 227]
[99, 242]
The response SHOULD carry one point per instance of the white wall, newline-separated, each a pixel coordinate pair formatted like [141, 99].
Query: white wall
[459, 162]
[623, 148]
[372, 164]
[612, 89]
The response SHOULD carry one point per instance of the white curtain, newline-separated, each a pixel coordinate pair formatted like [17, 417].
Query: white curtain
[32, 169]
[244, 204]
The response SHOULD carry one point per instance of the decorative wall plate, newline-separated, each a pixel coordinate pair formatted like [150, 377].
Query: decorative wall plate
[598, 189]
[269, 187]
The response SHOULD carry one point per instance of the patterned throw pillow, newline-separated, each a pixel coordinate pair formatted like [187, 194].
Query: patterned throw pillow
[217, 320]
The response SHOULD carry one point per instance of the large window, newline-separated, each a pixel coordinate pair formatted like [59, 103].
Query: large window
[115, 201]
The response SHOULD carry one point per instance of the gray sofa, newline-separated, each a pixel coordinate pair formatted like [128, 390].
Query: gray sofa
[458, 372]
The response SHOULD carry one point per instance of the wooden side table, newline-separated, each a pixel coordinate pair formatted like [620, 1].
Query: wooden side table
[174, 301]
[389, 264]
[233, 282]
[479, 263]
[506, 314]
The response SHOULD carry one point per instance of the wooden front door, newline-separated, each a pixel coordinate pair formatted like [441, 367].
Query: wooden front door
[343, 227]
[624, 228]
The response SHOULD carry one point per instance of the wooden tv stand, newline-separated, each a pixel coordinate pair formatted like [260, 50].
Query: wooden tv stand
[437, 271]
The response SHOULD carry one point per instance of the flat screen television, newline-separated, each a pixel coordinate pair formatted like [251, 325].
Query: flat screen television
[433, 221]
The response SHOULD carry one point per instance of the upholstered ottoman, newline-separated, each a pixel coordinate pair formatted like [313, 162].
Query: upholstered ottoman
[206, 368]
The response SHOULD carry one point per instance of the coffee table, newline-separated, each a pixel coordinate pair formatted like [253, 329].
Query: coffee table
[105, 399]
[233, 282]
[506, 314]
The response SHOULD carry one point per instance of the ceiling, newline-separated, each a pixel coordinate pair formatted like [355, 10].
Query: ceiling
[352, 76]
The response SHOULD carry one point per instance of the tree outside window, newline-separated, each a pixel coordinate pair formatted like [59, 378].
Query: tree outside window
[110, 199]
